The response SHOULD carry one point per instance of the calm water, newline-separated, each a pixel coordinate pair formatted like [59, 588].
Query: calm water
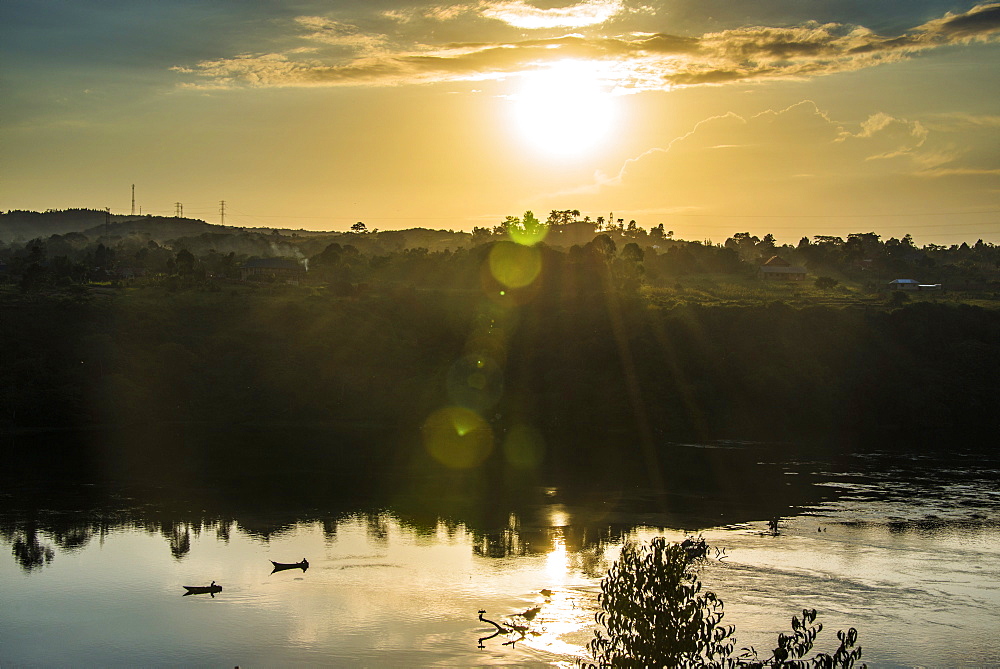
[904, 549]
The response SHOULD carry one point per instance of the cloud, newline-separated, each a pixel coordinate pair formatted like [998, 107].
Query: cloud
[956, 121]
[959, 171]
[522, 15]
[811, 50]
[978, 22]
[327, 31]
[451, 62]
[893, 137]
[518, 13]
[439, 13]
[634, 62]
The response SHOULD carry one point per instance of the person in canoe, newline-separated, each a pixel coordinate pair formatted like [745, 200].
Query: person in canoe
[202, 589]
[282, 566]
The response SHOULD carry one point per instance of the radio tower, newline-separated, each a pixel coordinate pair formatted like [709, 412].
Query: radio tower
[133, 199]
[222, 212]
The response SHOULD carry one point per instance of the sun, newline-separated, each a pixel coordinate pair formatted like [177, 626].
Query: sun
[564, 109]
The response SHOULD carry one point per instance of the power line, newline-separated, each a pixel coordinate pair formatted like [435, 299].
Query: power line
[899, 226]
[370, 218]
[920, 213]
[354, 217]
[883, 215]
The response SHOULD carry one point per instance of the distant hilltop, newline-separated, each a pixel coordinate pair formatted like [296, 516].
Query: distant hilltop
[20, 227]
[25, 225]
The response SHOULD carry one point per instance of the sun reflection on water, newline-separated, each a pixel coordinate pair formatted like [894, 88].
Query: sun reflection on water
[565, 619]
[557, 561]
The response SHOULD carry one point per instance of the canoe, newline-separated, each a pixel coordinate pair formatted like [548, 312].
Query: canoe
[281, 566]
[202, 589]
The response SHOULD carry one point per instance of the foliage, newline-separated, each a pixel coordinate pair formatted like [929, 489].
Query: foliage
[793, 648]
[80, 246]
[654, 614]
[574, 360]
[622, 333]
[898, 298]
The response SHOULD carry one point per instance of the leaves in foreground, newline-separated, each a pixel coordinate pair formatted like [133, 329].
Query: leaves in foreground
[655, 614]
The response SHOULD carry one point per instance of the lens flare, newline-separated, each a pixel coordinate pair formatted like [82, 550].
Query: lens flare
[528, 235]
[457, 437]
[475, 382]
[515, 265]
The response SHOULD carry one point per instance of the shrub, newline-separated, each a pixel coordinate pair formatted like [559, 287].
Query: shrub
[654, 614]
[897, 298]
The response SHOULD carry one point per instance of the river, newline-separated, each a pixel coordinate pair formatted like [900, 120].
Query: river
[902, 547]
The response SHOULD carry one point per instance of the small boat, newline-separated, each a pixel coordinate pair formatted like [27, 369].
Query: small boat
[202, 589]
[282, 566]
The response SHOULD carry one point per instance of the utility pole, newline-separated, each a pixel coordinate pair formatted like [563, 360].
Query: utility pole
[133, 199]
[222, 212]
[178, 210]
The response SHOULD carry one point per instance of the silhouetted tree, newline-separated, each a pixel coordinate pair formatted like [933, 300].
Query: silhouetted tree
[603, 245]
[655, 614]
[184, 262]
[632, 253]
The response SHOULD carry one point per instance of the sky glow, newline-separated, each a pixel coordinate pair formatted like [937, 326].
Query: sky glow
[709, 117]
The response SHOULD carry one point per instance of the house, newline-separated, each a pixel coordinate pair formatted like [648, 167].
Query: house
[270, 269]
[910, 284]
[779, 269]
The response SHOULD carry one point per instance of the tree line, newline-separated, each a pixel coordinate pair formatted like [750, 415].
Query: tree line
[157, 249]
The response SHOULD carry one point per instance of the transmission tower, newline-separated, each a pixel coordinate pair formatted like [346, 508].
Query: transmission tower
[178, 209]
[222, 212]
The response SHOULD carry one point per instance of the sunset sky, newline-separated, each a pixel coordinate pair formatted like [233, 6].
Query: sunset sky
[794, 117]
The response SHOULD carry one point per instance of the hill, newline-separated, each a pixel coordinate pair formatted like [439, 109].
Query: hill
[21, 226]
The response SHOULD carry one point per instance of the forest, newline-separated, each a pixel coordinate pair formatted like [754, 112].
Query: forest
[563, 329]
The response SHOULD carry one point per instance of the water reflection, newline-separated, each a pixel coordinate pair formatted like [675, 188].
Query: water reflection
[570, 523]
[396, 575]
[28, 550]
[34, 538]
[179, 537]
